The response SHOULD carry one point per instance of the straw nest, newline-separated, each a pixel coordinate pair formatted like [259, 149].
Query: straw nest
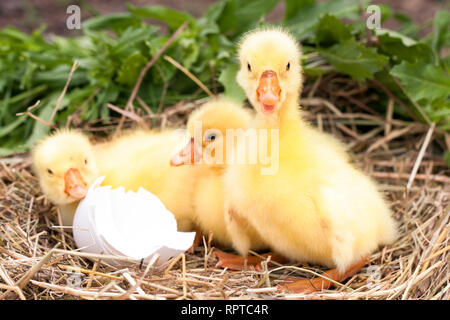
[38, 258]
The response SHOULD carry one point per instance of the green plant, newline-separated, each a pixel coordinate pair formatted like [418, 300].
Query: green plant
[33, 67]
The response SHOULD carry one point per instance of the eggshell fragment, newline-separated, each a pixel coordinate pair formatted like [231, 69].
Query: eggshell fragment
[133, 224]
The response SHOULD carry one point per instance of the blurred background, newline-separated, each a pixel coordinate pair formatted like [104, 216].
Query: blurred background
[398, 70]
[28, 15]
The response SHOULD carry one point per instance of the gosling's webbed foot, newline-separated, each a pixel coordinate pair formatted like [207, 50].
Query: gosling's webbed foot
[319, 283]
[238, 263]
[197, 241]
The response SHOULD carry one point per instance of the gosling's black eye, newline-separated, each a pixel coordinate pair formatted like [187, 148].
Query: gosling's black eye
[49, 171]
[288, 66]
[211, 137]
[85, 161]
[249, 67]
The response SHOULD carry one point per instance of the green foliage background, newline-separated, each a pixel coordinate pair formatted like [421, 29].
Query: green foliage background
[36, 67]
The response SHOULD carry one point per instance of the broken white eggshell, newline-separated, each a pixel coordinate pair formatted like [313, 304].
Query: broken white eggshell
[133, 224]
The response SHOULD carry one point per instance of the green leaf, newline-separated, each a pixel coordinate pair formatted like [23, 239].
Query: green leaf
[423, 81]
[28, 94]
[355, 60]
[447, 158]
[408, 28]
[441, 32]
[238, 16]
[57, 77]
[130, 69]
[131, 38]
[172, 17]
[385, 11]
[316, 71]
[189, 51]
[401, 17]
[4, 130]
[250, 11]
[331, 31]
[384, 77]
[439, 111]
[208, 24]
[304, 23]
[163, 70]
[115, 21]
[227, 21]
[400, 47]
[214, 11]
[294, 6]
[228, 80]
[41, 130]
[446, 64]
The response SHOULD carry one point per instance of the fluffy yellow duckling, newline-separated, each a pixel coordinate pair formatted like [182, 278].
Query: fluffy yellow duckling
[141, 158]
[314, 206]
[65, 165]
[207, 149]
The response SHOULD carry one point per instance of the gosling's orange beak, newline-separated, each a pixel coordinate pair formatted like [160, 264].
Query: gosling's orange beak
[75, 185]
[188, 155]
[268, 91]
